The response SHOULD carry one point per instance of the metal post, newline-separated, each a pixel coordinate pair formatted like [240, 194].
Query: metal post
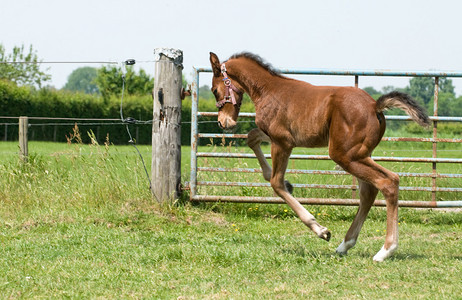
[194, 133]
[55, 129]
[435, 133]
[354, 182]
[23, 142]
[166, 126]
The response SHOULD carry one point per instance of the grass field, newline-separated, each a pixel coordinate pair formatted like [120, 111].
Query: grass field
[78, 221]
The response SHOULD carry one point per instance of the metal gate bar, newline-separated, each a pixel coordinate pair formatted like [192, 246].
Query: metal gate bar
[434, 160]
[326, 157]
[322, 172]
[325, 201]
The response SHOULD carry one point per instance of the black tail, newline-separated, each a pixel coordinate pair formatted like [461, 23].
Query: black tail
[406, 103]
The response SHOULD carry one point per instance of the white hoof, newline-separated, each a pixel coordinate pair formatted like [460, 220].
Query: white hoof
[385, 253]
[345, 246]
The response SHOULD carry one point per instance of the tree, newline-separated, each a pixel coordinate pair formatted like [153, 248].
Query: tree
[21, 67]
[83, 80]
[370, 90]
[206, 93]
[446, 86]
[390, 88]
[109, 81]
[448, 105]
[423, 88]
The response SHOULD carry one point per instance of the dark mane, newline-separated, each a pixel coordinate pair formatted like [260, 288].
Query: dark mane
[260, 61]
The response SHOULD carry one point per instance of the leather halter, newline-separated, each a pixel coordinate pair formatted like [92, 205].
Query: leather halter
[229, 90]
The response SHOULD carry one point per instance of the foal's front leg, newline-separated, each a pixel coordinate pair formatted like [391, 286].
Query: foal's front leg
[280, 157]
[254, 139]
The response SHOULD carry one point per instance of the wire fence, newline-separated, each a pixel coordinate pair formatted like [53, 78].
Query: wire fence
[58, 129]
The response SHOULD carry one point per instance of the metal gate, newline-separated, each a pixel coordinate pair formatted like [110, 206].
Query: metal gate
[438, 185]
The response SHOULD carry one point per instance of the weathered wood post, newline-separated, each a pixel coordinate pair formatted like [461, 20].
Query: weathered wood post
[166, 126]
[23, 142]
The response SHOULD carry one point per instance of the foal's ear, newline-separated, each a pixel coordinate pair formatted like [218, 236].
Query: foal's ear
[215, 62]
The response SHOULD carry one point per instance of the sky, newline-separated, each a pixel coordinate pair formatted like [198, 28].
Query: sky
[355, 34]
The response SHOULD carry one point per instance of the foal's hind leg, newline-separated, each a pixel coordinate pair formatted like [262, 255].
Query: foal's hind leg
[280, 157]
[367, 196]
[254, 138]
[385, 181]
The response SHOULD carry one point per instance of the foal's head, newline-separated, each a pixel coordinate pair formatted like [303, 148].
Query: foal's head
[228, 94]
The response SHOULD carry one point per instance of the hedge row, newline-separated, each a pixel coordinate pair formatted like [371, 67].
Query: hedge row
[18, 101]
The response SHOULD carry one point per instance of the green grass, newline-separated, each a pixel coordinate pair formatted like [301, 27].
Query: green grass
[78, 221]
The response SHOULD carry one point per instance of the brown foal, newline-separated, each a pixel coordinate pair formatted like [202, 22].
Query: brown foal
[292, 113]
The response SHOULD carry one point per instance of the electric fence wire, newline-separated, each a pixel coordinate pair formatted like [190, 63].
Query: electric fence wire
[138, 122]
[129, 121]
[71, 62]
[58, 62]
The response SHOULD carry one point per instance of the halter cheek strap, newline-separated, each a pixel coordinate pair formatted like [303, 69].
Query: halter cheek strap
[229, 90]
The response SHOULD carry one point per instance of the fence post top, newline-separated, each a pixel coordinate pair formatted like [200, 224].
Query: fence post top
[174, 54]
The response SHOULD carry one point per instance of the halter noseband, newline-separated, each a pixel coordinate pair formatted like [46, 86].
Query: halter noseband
[229, 90]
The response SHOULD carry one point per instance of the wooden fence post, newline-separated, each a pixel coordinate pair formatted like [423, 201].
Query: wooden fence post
[23, 142]
[166, 126]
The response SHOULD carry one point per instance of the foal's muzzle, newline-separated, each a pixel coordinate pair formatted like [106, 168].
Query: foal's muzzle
[227, 124]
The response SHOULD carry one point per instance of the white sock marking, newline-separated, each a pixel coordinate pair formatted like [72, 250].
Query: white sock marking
[345, 246]
[384, 254]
